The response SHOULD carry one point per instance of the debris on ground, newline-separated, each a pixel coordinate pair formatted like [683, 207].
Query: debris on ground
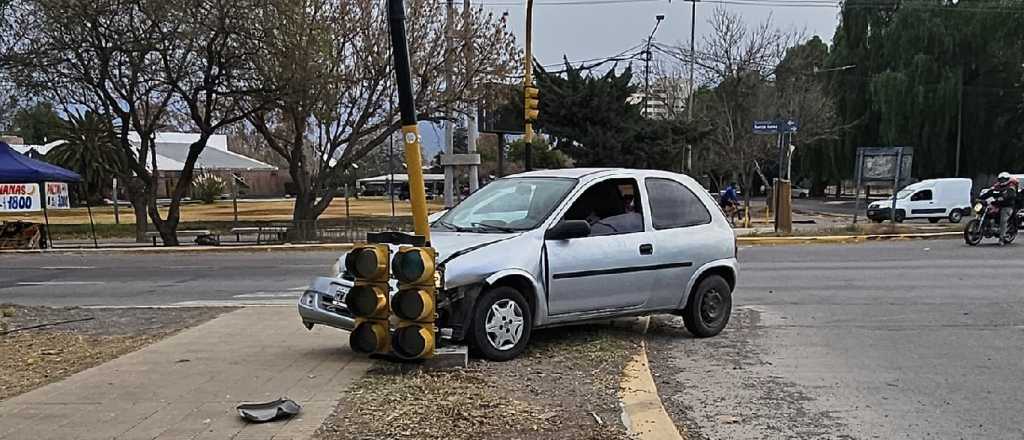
[565, 386]
[35, 357]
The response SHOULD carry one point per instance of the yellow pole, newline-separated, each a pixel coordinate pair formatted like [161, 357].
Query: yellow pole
[407, 108]
[417, 190]
[528, 73]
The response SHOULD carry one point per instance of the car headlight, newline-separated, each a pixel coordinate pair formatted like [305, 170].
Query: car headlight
[308, 299]
[977, 208]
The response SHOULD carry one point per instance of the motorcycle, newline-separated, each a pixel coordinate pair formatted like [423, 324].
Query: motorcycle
[985, 224]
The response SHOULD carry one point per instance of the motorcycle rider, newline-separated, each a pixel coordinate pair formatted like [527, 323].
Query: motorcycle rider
[1007, 188]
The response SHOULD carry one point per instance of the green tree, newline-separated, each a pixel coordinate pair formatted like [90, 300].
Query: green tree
[37, 124]
[91, 150]
[592, 120]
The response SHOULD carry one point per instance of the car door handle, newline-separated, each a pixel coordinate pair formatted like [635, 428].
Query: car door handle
[646, 249]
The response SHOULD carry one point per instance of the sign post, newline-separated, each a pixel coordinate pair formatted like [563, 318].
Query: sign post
[782, 191]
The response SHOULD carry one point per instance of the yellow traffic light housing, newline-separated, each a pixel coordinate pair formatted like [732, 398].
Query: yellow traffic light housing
[415, 303]
[368, 299]
[532, 103]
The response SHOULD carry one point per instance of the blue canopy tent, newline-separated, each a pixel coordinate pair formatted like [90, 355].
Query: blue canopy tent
[16, 168]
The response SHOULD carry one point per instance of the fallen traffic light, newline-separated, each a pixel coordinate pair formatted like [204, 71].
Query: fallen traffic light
[415, 302]
[367, 300]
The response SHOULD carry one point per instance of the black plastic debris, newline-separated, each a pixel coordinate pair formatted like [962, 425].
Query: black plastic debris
[265, 412]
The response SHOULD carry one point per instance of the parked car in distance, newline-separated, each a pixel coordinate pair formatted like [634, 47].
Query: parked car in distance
[556, 247]
[933, 199]
[800, 193]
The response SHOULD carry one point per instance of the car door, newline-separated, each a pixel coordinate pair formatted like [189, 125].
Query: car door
[681, 237]
[601, 272]
[922, 204]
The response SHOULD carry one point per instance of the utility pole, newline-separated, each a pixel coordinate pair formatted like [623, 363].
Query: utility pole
[528, 82]
[647, 64]
[407, 107]
[449, 128]
[472, 131]
[688, 166]
[959, 122]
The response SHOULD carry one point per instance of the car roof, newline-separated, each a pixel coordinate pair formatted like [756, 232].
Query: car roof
[594, 173]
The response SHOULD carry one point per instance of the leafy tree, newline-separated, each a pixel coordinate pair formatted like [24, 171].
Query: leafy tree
[90, 149]
[37, 124]
[590, 118]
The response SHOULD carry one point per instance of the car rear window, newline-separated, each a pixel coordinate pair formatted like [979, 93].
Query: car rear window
[673, 205]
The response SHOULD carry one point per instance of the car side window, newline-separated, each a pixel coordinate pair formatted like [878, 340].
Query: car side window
[922, 195]
[673, 205]
[610, 207]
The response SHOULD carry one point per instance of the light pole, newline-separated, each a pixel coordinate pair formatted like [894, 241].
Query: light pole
[647, 63]
[528, 82]
[688, 166]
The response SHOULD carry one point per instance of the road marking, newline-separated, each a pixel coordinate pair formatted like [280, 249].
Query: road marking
[293, 289]
[59, 283]
[229, 303]
[268, 295]
[67, 267]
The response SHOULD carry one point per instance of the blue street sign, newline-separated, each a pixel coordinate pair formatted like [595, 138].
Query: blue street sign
[766, 127]
[775, 127]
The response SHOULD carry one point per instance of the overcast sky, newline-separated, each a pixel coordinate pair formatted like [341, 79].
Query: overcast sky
[587, 31]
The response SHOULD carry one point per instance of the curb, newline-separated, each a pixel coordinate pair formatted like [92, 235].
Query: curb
[187, 249]
[642, 412]
[836, 239]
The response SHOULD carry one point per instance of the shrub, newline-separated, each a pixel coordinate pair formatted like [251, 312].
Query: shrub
[207, 187]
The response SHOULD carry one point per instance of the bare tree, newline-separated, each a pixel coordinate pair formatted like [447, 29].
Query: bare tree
[102, 56]
[328, 65]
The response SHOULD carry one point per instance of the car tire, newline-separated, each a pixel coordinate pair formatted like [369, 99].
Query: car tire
[900, 216]
[494, 319]
[933, 220]
[708, 308]
[956, 215]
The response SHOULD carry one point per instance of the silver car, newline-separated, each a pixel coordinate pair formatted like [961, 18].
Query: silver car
[548, 248]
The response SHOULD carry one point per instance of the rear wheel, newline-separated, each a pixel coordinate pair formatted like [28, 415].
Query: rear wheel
[933, 220]
[708, 308]
[502, 322]
[955, 216]
[972, 233]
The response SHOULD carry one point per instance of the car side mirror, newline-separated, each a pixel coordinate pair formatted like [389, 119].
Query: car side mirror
[567, 229]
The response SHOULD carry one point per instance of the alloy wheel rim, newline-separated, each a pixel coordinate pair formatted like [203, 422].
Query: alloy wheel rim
[504, 324]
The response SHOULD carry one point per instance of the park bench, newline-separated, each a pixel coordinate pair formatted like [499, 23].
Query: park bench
[278, 232]
[191, 233]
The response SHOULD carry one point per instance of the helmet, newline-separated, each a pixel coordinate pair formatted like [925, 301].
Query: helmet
[1004, 177]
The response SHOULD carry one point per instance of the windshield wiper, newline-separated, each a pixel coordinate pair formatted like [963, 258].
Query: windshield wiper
[495, 227]
[452, 226]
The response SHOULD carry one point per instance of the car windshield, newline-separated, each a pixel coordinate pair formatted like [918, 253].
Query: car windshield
[507, 205]
[904, 193]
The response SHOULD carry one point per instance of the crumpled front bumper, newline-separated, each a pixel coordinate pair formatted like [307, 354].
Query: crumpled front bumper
[323, 304]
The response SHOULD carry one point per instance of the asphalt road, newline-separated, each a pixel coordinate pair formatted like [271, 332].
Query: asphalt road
[87, 279]
[916, 339]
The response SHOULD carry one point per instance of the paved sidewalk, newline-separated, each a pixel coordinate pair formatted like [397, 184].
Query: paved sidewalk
[187, 386]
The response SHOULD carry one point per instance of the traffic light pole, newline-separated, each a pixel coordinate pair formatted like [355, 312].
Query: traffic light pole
[407, 108]
[528, 79]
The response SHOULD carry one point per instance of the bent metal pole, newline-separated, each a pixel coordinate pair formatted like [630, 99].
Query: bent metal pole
[407, 108]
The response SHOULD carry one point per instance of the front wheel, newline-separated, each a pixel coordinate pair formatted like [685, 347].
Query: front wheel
[900, 216]
[933, 220]
[955, 216]
[708, 308]
[972, 233]
[502, 322]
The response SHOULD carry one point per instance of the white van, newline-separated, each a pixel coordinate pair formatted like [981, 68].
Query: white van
[933, 199]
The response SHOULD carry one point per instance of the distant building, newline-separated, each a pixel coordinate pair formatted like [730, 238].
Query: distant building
[668, 98]
[260, 179]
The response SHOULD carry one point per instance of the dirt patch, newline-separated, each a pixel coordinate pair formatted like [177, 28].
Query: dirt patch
[564, 387]
[36, 357]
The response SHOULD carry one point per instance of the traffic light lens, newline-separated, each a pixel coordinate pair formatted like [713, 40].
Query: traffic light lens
[368, 338]
[364, 301]
[366, 264]
[413, 341]
[413, 305]
[409, 267]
